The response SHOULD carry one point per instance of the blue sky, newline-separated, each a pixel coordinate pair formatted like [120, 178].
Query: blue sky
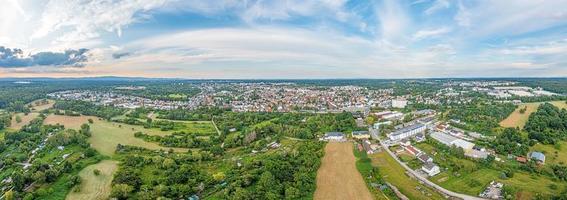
[283, 39]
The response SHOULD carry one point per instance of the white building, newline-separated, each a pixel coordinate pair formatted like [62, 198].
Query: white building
[431, 169]
[361, 134]
[334, 136]
[399, 103]
[450, 141]
[407, 131]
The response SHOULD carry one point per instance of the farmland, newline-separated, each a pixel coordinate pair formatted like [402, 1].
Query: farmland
[338, 177]
[95, 186]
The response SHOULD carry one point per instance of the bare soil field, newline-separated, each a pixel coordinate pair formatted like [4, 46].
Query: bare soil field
[338, 177]
[26, 119]
[95, 187]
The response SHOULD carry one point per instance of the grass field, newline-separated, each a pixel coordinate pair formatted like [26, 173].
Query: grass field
[177, 96]
[471, 183]
[528, 185]
[107, 135]
[395, 174]
[71, 122]
[95, 187]
[37, 106]
[552, 155]
[338, 178]
[26, 119]
[517, 119]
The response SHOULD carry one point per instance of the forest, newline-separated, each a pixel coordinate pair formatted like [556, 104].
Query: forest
[548, 124]
[481, 116]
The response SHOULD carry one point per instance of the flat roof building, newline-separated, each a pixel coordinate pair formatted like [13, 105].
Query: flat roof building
[407, 131]
[450, 140]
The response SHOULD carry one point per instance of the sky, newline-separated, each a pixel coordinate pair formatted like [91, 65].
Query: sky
[288, 39]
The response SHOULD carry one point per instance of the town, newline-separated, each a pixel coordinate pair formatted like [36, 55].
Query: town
[440, 138]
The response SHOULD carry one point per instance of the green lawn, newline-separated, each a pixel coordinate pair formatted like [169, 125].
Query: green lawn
[527, 185]
[467, 183]
[106, 135]
[395, 174]
[473, 177]
[364, 166]
[553, 155]
[177, 96]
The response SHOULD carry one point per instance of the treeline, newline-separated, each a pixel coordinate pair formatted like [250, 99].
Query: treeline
[5, 120]
[88, 108]
[283, 175]
[163, 91]
[511, 141]
[145, 174]
[480, 116]
[181, 140]
[548, 124]
[199, 114]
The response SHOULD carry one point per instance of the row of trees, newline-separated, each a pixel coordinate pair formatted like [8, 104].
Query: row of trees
[87, 108]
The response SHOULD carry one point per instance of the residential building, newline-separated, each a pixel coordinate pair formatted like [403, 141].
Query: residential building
[407, 131]
[431, 169]
[424, 158]
[537, 156]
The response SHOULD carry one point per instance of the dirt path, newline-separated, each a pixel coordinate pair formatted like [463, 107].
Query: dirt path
[95, 187]
[338, 177]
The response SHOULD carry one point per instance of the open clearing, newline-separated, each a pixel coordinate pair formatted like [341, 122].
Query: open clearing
[338, 178]
[517, 119]
[552, 155]
[71, 122]
[93, 186]
[38, 105]
[26, 119]
[107, 135]
[395, 174]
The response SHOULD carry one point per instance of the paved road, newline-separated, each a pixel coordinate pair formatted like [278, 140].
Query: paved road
[426, 181]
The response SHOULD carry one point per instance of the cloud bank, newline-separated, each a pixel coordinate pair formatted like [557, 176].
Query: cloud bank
[15, 58]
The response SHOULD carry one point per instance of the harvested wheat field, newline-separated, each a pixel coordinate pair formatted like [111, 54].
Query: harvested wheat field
[338, 177]
[71, 122]
[25, 120]
[95, 187]
[518, 119]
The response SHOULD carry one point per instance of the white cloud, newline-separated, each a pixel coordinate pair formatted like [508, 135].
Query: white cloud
[394, 21]
[511, 17]
[437, 5]
[76, 21]
[429, 33]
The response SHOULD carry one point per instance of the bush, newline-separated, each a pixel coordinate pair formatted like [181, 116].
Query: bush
[96, 172]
